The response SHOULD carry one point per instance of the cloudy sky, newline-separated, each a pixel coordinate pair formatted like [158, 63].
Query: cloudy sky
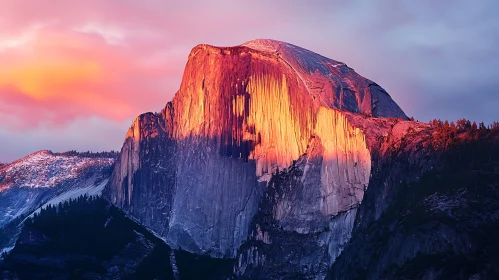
[74, 74]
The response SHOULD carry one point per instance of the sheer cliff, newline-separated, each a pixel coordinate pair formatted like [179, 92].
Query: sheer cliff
[195, 172]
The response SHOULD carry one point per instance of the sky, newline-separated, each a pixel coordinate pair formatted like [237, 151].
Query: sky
[74, 74]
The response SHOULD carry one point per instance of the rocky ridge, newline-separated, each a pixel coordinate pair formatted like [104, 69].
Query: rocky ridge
[44, 169]
[431, 209]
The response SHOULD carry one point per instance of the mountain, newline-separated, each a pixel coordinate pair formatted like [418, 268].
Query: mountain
[266, 155]
[195, 172]
[44, 178]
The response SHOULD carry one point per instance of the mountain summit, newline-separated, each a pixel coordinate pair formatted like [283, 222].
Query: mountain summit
[333, 83]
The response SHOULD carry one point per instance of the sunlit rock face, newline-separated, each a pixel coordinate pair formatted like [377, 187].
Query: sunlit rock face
[196, 172]
[332, 82]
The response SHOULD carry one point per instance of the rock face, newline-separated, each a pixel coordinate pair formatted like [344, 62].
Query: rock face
[196, 172]
[333, 83]
[290, 236]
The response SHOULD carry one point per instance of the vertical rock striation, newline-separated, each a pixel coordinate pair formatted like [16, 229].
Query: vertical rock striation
[198, 172]
[143, 178]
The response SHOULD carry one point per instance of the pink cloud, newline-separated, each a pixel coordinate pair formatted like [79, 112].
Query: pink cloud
[133, 52]
[63, 74]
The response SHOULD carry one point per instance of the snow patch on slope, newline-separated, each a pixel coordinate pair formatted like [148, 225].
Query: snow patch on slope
[92, 190]
[5, 250]
[18, 202]
[44, 169]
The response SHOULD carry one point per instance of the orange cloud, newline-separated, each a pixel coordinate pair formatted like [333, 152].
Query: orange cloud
[44, 80]
[57, 75]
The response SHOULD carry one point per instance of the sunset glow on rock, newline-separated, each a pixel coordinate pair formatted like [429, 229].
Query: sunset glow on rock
[241, 115]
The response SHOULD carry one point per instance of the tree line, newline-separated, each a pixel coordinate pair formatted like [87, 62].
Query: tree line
[88, 154]
[449, 134]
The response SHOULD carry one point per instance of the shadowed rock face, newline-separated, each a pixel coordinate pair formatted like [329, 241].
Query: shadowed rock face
[196, 172]
[143, 179]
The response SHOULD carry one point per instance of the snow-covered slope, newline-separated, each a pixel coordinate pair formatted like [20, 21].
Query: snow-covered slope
[44, 178]
[89, 189]
[45, 169]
